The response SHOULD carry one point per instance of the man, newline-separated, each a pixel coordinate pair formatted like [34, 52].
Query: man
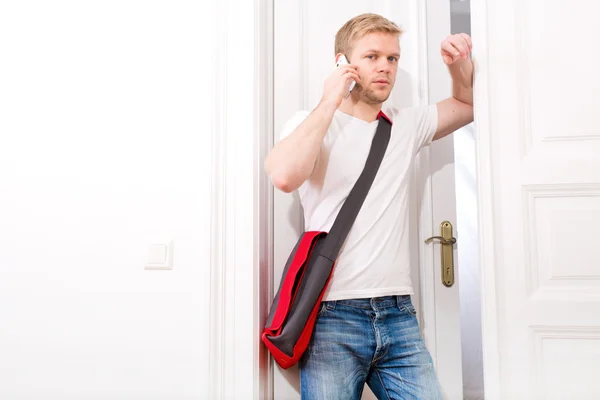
[366, 330]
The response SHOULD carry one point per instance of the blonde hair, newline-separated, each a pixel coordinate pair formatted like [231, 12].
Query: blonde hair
[360, 26]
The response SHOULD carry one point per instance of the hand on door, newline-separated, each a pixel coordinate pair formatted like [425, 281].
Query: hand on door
[456, 47]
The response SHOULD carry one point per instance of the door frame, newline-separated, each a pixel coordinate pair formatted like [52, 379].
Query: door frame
[426, 254]
[241, 199]
[262, 229]
[485, 199]
[435, 171]
[264, 127]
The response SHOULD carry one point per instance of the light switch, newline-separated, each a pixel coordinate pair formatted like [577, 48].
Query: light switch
[157, 254]
[160, 256]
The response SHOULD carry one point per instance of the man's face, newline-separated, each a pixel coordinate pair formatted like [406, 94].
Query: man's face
[376, 56]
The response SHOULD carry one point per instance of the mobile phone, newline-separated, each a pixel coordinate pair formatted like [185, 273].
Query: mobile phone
[342, 60]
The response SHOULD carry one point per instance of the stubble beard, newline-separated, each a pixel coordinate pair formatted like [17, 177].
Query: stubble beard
[371, 97]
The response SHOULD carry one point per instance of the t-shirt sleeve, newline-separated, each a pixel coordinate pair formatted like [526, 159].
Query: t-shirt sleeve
[426, 122]
[292, 124]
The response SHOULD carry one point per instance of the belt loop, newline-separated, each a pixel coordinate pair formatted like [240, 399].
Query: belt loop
[330, 305]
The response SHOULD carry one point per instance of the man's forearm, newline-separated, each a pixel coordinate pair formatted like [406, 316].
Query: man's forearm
[462, 80]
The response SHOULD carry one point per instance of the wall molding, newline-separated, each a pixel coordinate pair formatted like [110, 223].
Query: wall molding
[523, 75]
[241, 201]
[218, 245]
[538, 286]
[303, 74]
[543, 333]
[264, 218]
[532, 138]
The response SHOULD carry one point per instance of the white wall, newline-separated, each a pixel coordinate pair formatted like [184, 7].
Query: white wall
[105, 121]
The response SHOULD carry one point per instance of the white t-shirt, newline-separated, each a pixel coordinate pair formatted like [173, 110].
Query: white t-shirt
[374, 260]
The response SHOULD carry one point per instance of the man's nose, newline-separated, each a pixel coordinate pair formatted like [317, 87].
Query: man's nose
[384, 65]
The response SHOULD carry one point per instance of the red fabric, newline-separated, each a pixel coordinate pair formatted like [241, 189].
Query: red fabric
[286, 299]
[283, 359]
[382, 114]
[285, 294]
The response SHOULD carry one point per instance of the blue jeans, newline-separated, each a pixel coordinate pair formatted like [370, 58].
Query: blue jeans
[374, 341]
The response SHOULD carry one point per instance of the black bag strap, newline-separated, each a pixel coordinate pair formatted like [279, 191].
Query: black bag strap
[334, 240]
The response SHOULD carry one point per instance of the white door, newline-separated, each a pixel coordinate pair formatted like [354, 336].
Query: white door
[303, 57]
[536, 105]
[436, 205]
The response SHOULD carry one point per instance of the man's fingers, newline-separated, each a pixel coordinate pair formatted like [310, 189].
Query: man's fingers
[464, 46]
[346, 67]
[459, 44]
[352, 75]
[447, 59]
[455, 47]
[468, 40]
[450, 49]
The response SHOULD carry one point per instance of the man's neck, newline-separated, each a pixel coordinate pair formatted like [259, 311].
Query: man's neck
[359, 109]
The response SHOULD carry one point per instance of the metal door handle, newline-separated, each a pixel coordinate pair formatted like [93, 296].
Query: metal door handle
[441, 239]
[447, 252]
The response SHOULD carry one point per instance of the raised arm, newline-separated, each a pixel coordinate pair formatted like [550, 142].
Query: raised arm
[456, 111]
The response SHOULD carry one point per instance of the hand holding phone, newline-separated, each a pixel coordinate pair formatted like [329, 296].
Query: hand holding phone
[342, 60]
[341, 81]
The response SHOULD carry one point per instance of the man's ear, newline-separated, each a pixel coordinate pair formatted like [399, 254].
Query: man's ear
[347, 54]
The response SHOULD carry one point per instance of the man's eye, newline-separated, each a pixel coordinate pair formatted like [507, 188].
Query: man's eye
[371, 57]
[392, 59]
